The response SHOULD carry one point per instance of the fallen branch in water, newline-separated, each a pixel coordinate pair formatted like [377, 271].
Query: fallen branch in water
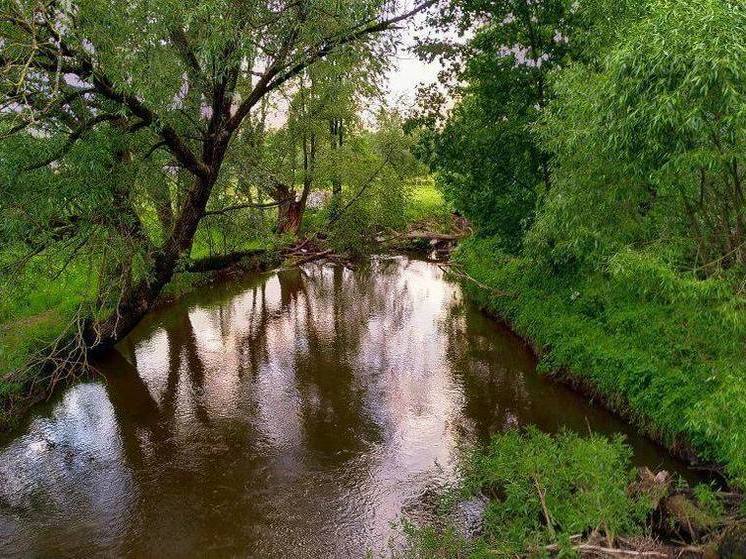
[421, 235]
[58, 362]
[311, 257]
[461, 274]
[430, 236]
[610, 551]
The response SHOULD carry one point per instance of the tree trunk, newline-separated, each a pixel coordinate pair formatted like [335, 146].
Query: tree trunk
[290, 213]
[135, 302]
[336, 129]
[290, 217]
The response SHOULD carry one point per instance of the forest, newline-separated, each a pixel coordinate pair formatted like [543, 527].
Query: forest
[584, 159]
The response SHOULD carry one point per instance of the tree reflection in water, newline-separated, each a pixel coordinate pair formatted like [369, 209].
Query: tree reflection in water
[297, 414]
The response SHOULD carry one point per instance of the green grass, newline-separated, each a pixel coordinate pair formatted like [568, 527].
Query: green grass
[426, 203]
[216, 240]
[35, 309]
[36, 306]
[666, 348]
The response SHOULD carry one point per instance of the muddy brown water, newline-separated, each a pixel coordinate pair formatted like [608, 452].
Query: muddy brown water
[297, 414]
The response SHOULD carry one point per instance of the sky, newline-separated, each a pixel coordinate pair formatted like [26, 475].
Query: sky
[409, 71]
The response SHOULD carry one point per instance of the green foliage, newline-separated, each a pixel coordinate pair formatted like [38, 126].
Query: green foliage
[666, 348]
[426, 204]
[542, 490]
[484, 166]
[241, 232]
[648, 142]
[36, 306]
[428, 542]
[708, 501]
[378, 179]
[580, 484]
[487, 161]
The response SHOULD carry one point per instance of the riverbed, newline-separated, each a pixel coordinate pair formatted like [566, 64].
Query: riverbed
[301, 413]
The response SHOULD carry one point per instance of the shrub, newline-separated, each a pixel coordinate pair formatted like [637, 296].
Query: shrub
[542, 490]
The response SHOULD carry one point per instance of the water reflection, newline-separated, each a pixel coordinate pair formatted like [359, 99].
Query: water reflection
[295, 415]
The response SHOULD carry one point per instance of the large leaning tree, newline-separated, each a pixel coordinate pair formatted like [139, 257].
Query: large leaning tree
[170, 82]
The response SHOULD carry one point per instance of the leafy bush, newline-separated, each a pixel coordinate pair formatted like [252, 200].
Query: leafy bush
[665, 347]
[551, 488]
[542, 490]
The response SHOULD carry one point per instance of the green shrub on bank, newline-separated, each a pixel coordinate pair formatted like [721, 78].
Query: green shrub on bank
[665, 347]
[541, 491]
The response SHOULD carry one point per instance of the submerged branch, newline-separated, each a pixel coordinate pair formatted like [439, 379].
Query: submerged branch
[453, 269]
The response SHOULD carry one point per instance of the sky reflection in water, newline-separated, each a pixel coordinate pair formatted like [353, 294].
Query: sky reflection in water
[298, 414]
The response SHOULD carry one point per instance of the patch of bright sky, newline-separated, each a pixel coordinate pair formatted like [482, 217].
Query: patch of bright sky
[409, 71]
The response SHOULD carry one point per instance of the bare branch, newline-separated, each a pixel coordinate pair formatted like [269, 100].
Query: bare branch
[268, 205]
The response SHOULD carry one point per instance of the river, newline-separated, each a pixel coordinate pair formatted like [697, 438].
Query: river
[296, 414]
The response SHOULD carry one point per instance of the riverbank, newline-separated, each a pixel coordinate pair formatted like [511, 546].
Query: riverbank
[40, 326]
[664, 350]
[576, 495]
[39, 306]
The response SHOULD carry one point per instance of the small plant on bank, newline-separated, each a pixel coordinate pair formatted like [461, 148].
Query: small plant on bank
[545, 495]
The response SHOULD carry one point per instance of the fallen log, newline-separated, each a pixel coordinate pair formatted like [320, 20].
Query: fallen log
[614, 552]
[220, 261]
[595, 550]
[312, 257]
[430, 236]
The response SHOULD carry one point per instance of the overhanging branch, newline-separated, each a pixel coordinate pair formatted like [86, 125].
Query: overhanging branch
[280, 71]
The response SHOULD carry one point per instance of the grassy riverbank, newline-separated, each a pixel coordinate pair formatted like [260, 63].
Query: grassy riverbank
[571, 495]
[664, 348]
[40, 305]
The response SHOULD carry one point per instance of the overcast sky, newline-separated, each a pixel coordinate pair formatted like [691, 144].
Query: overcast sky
[409, 71]
[408, 74]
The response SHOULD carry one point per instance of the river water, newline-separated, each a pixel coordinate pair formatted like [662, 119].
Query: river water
[296, 414]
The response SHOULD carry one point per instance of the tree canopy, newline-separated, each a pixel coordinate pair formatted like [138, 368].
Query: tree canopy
[113, 110]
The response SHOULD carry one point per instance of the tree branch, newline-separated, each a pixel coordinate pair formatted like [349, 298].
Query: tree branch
[278, 73]
[186, 53]
[268, 205]
[330, 44]
[74, 137]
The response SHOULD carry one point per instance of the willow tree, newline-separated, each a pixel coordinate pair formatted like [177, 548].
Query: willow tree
[648, 142]
[181, 77]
